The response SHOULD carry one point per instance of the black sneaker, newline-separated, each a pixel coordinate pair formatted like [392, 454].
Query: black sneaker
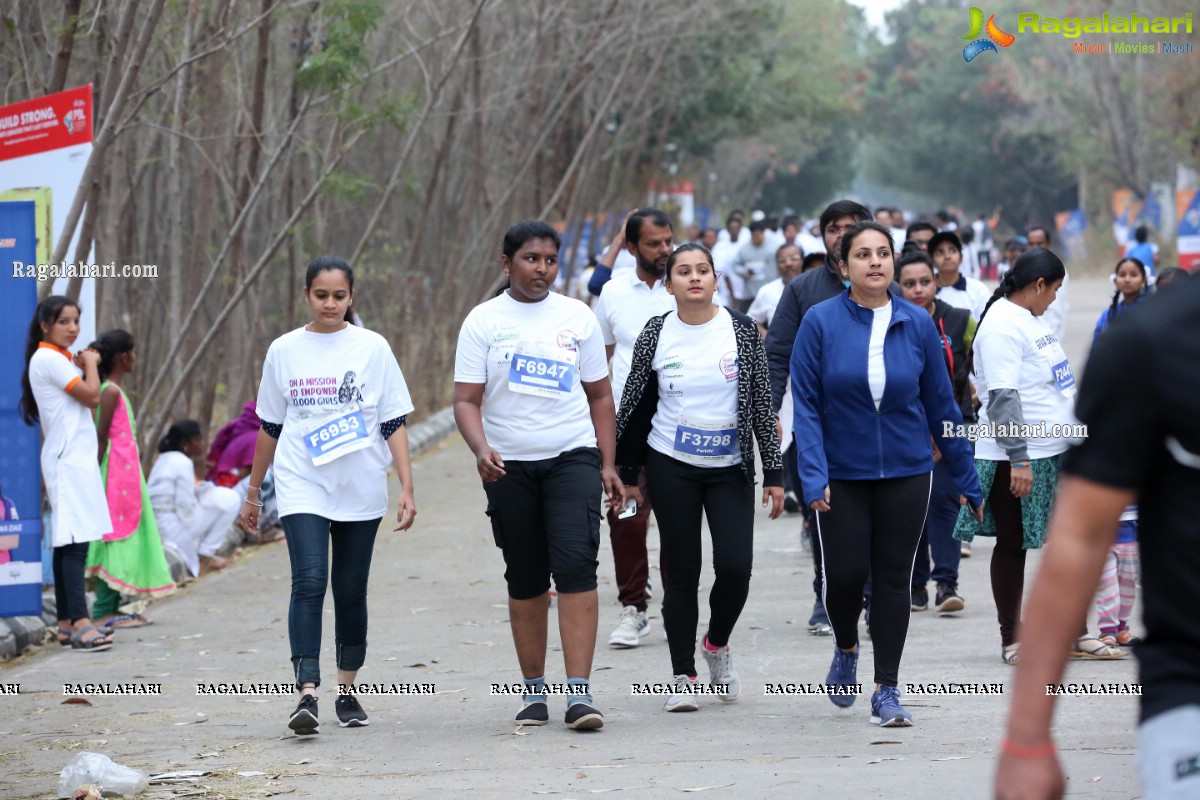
[584, 717]
[920, 598]
[535, 711]
[947, 600]
[791, 503]
[303, 721]
[349, 713]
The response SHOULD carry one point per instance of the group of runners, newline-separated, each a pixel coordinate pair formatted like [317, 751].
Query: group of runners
[656, 401]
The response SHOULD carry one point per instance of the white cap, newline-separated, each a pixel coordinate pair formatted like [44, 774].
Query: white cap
[757, 216]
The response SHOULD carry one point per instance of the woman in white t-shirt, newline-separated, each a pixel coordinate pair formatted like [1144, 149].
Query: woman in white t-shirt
[54, 394]
[533, 402]
[697, 397]
[1027, 389]
[333, 404]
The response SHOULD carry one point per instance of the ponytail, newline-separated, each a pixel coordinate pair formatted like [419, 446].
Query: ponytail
[109, 345]
[47, 313]
[177, 434]
[1034, 263]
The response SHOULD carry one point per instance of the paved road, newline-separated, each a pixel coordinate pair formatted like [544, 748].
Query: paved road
[439, 617]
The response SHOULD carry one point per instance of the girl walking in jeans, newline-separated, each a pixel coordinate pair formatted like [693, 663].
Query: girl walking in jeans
[333, 403]
[696, 398]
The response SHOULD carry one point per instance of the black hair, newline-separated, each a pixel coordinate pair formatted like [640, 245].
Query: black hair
[47, 313]
[945, 237]
[324, 263]
[1141, 234]
[525, 230]
[791, 219]
[914, 256]
[180, 432]
[843, 208]
[860, 227]
[1168, 276]
[1137, 262]
[1016, 244]
[1034, 263]
[759, 225]
[109, 345]
[1041, 228]
[633, 227]
[811, 261]
[684, 248]
[967, 236]
[917, 227]
[737, 214]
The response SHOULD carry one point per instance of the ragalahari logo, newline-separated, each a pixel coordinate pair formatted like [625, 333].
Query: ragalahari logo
[994, 33]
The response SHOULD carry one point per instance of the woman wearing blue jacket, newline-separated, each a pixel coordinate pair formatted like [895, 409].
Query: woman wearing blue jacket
[871, 394]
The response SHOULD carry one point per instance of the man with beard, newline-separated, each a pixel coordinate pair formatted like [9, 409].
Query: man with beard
[799, 296]
[625, 306]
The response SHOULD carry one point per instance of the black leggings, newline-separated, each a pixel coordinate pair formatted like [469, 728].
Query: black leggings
[872, 528]
[69, 593]
[680, 492]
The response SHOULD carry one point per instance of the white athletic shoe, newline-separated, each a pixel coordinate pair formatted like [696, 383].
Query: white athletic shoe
[630, 630]
[683, 696]
[722, 673]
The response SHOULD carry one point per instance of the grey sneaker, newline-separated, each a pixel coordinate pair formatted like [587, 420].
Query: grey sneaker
[683, 698]
[630, 630]
[722, 673]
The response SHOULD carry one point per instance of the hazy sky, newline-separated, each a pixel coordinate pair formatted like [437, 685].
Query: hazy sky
[875, 9]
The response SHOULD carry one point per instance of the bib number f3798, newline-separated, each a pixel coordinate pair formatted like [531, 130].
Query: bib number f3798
[329, 439]
[711, 443]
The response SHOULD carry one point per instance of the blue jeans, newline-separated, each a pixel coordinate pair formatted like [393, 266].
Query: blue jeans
[308, 538]
[937, 539]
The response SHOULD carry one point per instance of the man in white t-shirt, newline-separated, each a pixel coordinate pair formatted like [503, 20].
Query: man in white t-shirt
[1056, 314]
[954, 287]
[788, 262]
[754, 264]
[626, 304]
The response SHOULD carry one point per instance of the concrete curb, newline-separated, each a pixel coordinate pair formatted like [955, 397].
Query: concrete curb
[18, 633]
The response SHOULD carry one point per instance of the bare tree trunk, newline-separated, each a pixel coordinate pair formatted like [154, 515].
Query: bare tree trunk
[62, 61]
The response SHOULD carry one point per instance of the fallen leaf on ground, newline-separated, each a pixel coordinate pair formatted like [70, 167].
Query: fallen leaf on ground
[76, 701]
[302, 761]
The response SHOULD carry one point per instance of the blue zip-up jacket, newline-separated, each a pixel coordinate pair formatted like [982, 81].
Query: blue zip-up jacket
[839, 433]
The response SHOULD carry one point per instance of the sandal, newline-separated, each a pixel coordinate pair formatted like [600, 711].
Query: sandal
[1091, 647]
[1125, 638]
[63, 635]
[1011, 654]
[95, 644]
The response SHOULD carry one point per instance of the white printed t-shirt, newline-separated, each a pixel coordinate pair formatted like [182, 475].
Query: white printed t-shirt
[697, 367]
[70, 468]
[1016, 350]
[313, 383]
[624, 308]
[531, 359]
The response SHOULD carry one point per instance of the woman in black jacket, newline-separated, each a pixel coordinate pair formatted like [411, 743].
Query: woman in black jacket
[696, 398]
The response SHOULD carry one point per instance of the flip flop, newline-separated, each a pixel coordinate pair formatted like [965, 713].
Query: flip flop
[1093, 648]
[95, 644]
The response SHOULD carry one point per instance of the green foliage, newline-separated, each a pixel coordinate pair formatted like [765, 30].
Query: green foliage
[962, 132]
[338, 57]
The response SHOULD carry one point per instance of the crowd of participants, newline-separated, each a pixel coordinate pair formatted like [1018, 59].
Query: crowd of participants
[795, 337]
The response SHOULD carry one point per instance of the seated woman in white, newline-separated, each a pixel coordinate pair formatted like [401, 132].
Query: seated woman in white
[193, 517]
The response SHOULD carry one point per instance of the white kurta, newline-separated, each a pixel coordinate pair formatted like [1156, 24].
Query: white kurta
[192, 517]
[70, 468]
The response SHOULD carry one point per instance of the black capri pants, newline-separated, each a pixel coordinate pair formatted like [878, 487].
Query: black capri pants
[872, 528]
[546, 520]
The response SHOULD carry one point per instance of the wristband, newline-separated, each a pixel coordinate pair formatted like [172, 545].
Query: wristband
[1019, 751]
[251, 502]
[1018, 464]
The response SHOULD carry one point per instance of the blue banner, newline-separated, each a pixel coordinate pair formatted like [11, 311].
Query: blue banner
[20, 468]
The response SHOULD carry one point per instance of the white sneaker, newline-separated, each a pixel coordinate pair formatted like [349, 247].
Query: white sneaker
[630, 630]
[721, 672]
[683, 697]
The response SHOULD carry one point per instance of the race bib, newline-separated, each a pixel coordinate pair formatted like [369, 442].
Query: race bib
[1060, 368]
[542, 371]
[330, 437]
[706, 442]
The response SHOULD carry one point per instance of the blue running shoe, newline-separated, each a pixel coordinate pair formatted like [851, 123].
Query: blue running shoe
[886, 711]
[843, 674]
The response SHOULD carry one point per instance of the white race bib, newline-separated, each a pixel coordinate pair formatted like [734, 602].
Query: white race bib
[1060, 368]
[542, 370]
[331, 436]
[706, 442]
